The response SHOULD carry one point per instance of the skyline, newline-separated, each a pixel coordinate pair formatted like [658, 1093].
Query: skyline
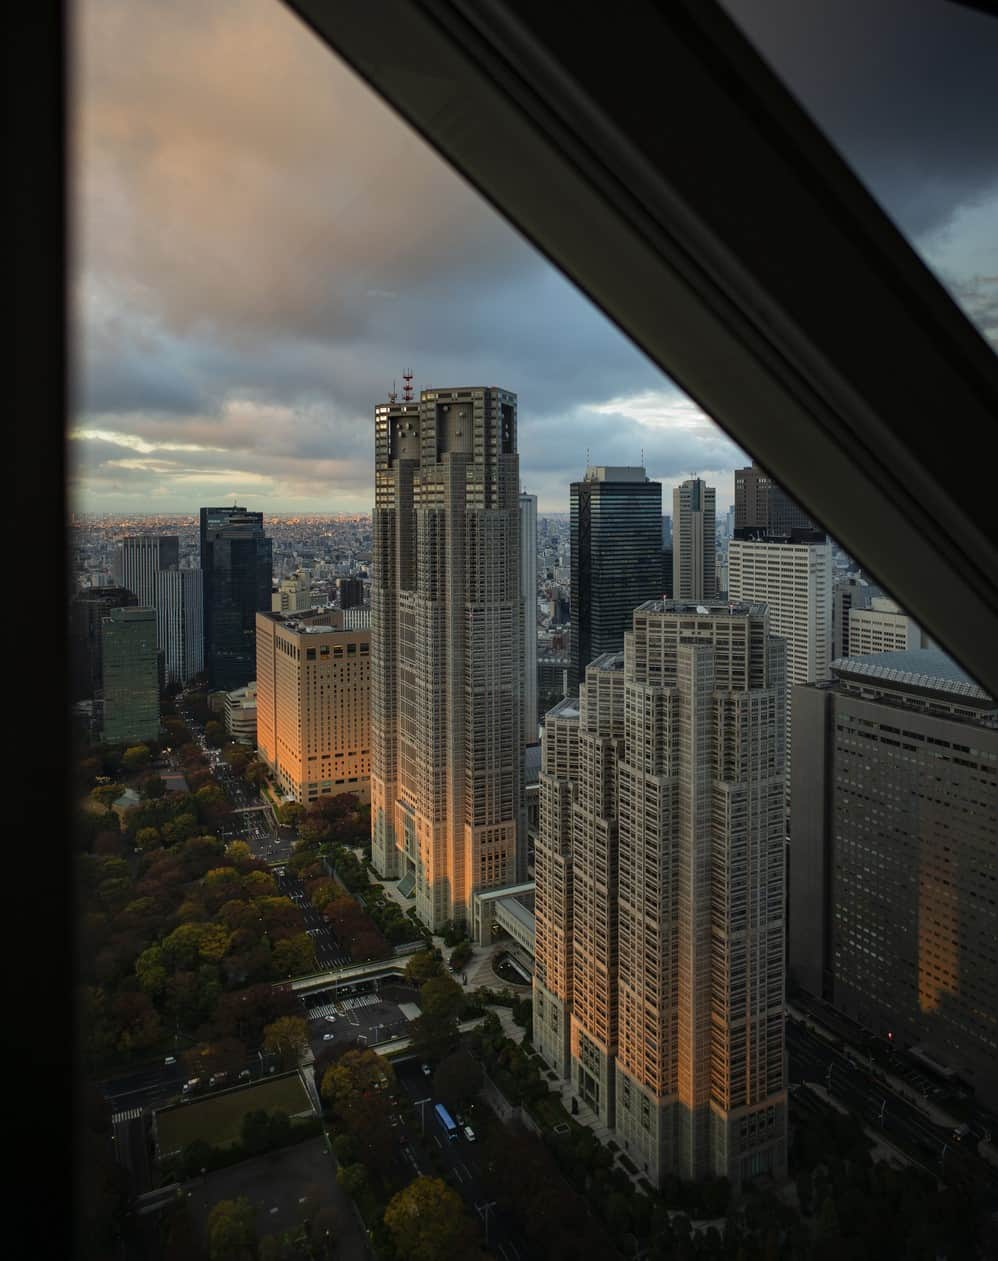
[260, 256]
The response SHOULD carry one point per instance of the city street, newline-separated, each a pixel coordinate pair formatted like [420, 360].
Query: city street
[854, 1083]
[328, 951]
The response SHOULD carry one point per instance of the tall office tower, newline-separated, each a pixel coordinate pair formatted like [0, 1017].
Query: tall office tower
[528, 594]
[892, 884]
[792, 575]
[660, 884]
[666, 531]
[667, 572]
[237, 563]
[87, 612]
[180, 622]
[131, 676]
[293, 594]
[139, 559]
[446, 632]
[351, 592]
[694, 541]
[761, 503]
[616, 558]
[313, 682]
[848, 592]
[883, 626]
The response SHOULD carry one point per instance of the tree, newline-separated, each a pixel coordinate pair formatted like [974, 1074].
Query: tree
[427, 1222]
[153, 787]
[294, 956]
[232, 1231]
[285, 1037]
[358, 1087]
[352, 1178]
[195, 1157]
[107, 794]
[147, 838]
[215, 734]
[460, 955]
[458, 1077]
[136, 758]
[422, 966]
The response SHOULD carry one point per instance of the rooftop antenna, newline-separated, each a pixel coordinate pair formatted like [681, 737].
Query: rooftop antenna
[407, 388]
[642, 457]
[587, 457]
[393, 397]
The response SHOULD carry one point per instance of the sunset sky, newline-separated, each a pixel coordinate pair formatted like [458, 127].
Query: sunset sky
[262, 247]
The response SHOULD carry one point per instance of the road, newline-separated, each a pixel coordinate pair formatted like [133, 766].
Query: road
[328, 951]
[462, 1163]
[856, 1085]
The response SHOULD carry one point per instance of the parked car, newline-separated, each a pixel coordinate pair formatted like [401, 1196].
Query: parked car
[469, 1133]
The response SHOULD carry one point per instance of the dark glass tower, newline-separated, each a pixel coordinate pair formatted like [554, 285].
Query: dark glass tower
[237, 562]
[616, 525]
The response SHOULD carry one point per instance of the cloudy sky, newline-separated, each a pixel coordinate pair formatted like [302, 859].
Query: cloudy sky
[262, 247]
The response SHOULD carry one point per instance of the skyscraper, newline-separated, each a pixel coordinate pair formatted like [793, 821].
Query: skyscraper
[180, 622]
[762, 503]
[313, 703]
[660, 892]
[792, 575]
[446, 641]
[892, 880]
[616, 558]
[528, 594]
[131, 676]
[139, 559]
[87, 612]
[694, 541]
[237, 564]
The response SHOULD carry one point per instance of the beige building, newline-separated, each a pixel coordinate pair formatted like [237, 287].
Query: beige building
[660, 900]
[240, 714]
[446, 618]
[293, 594]
[313, 703]
[694, 540]
[883, 627]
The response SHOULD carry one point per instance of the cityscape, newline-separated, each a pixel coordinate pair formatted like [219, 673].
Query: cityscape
[506, 823]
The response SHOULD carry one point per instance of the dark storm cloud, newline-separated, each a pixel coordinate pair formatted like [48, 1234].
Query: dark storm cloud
[263, 247]
[906, 89]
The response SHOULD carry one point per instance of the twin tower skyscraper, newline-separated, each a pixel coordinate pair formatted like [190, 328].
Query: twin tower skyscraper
[660, 859]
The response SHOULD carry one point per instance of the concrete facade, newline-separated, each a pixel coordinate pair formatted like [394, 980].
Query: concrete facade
[694, 541]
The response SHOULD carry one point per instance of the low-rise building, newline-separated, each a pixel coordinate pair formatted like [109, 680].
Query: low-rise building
[240, 714]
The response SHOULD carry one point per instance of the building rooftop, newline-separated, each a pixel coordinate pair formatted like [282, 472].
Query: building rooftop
[710, 608]
[607, 661]
[926, 669]
[605, 473]
[532, 764]
[566, 708]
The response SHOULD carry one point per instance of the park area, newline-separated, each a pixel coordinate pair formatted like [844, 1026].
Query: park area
[218, 1120]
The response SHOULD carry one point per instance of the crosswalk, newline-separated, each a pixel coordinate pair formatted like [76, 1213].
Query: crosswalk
[343, 1006]
[131, 1114]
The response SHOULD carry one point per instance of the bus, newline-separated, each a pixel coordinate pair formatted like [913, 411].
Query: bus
[447, 1121]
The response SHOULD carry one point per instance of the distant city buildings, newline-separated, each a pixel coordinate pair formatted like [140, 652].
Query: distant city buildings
[236, 561]
[694, 541]
[130, 676]
[616, 558]
[528, 594]
[893, 914]
[313, 683]
[180, 622]
[659, 864]
[446, 650]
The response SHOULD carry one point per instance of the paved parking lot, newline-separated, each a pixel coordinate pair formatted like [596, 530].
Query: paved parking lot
[356, 1017]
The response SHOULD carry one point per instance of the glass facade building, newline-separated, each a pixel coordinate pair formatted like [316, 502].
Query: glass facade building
[616, 546]
[131, 676]
[237, 564]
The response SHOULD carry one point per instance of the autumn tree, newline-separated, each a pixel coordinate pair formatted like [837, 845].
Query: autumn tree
[422, 966]
[223, 1055]
[427, 1222]
[457, 1079]
[285, 1037]
[153, 787]
[232, 1231]
[358, 1087]
[136, 758]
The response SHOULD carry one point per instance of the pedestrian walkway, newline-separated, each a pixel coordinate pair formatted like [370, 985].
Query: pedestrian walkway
[342, 1006]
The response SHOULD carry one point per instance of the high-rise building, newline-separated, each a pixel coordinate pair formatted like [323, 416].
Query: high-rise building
[694, 541]
[893, 917]
[351, 592]
[883, 626]
[313, 682]
[180, 622]
[616, 558]
[528, 594]
[237, 564]
[139, 559]
[666, 531]
[87, 612]
[792, 575]
[848, 592]
[131, 676]
[240, 714]
[446, 632]
[660, 864]
[761, 503]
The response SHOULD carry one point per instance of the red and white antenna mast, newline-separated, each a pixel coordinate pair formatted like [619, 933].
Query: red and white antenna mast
[407, 388]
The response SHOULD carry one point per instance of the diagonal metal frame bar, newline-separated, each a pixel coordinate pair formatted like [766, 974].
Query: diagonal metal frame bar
[652, 156]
